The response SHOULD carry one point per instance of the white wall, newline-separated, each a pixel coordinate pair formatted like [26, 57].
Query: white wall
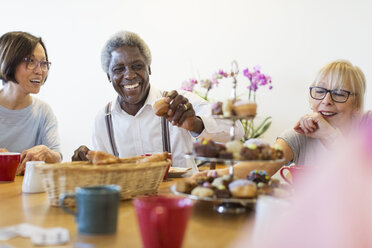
[290, 39]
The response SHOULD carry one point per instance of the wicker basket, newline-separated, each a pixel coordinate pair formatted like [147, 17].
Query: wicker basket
[134, 179]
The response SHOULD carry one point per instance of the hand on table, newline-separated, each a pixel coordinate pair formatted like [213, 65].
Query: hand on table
[80, 154]
[37, 153]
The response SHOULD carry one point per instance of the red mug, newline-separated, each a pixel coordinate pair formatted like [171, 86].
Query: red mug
[9, 162]
[166, 172]
[297, 172]
[162, 220]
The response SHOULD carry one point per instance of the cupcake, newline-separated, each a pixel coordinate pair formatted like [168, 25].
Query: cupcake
[244, 108]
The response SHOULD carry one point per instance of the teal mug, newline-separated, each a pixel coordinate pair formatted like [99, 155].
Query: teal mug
[96, 208]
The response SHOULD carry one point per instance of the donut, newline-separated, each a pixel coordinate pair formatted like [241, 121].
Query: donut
[243, 189]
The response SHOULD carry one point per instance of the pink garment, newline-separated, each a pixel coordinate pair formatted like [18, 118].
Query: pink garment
[332, 208]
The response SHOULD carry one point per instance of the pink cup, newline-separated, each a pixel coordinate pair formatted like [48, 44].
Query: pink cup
[162, 220]
[9, 162]
[297, 172]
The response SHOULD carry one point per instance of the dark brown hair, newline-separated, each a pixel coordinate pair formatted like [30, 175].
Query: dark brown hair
[14, 47]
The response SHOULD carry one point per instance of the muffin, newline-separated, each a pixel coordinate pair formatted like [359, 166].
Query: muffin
[243, 108]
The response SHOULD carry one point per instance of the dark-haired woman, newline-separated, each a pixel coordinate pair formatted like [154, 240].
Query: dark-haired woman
[27, 124]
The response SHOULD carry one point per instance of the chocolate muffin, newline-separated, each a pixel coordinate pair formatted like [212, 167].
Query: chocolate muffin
[206, 148]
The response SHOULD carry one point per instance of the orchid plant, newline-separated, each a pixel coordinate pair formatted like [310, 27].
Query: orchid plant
[256, 80]
[205, 85]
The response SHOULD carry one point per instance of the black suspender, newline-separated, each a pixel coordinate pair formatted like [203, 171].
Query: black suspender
[110, 131]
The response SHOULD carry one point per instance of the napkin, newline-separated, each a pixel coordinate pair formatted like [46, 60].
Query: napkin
[38, 235]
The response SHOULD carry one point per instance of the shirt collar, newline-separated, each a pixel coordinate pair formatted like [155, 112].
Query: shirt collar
[154, 94]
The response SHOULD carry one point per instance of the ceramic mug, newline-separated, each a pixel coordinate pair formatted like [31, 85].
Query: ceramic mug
[9, 162]
[162, 220]
[97, 208]
[297, 172]
[32, 181]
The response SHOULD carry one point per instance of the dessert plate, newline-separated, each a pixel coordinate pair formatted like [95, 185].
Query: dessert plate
[243, 202]
[177, 171]
[221, 160]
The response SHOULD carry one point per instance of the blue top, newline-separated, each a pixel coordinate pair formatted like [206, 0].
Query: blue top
[25, 128]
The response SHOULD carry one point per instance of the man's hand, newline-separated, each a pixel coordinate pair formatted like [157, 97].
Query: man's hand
[37, 153]
[80, 154]
[3, 150]
[182, 114]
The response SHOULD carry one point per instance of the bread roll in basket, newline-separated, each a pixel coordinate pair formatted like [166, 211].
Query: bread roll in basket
[137, 175]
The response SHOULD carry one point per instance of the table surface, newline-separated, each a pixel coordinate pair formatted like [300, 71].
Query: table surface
[206, 227]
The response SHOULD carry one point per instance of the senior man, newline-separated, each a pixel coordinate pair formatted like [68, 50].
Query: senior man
[128, 126]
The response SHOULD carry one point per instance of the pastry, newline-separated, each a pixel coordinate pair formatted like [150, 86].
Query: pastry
[221, 181]
[234, 147]
[161, 107]
[244, 108]
[243, 189]
[101, 158]
[206, 148]
[258, 176]
[264, 189]
[184, 187]
[250, 152]
[222, 193]
[217, 108]
[157, 157]
[225, 155]
[202, 192]
[227, 108]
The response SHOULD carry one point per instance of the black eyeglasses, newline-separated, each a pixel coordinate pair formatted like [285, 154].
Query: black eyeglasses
[31, 64]
[319, 93]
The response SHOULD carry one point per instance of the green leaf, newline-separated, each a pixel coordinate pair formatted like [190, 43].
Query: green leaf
[264, 129]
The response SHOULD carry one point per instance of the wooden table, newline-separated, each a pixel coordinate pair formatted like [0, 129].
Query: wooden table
[206, 227]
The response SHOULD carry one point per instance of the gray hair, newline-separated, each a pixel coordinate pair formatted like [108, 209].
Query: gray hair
[123, 38]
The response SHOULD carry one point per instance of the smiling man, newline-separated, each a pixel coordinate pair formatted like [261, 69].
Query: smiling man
[129, 125]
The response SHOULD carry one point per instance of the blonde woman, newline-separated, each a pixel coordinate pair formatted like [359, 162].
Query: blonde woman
[336, 99]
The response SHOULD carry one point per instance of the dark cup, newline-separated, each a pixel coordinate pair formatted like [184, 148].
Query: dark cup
[97, 208]
[9, 162]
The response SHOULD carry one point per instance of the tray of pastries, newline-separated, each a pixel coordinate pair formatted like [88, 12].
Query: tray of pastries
[224, 189]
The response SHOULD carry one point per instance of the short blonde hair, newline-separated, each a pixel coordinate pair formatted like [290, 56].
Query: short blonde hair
[342, 73]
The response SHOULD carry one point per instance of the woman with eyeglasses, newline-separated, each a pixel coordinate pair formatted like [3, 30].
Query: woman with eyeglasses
[27, 124]
[336, 100]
